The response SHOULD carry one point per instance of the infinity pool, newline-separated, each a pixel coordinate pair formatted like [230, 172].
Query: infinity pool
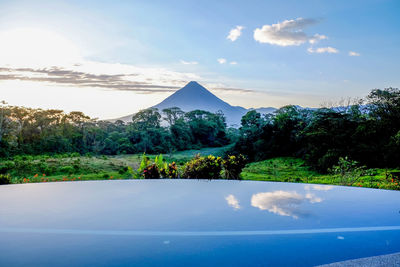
[194, 222]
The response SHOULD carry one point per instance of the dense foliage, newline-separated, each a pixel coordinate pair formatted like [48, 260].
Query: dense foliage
[367, 132]
[206, 167]
[209, 167]
[5, 179]
[233, 166]
[37, 131]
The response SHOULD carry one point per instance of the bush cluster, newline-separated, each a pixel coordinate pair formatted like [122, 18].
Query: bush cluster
[157, 169]
[151, 172]
[209, 167]
[5, 179]
[171, 171]
[233, 166]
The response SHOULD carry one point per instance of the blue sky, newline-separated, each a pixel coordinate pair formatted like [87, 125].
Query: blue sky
[300, 54]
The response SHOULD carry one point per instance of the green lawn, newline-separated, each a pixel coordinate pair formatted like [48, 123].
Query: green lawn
[74, 167]
[295, 170]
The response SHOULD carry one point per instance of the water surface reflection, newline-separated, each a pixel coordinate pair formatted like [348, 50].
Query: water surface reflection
[284, 203]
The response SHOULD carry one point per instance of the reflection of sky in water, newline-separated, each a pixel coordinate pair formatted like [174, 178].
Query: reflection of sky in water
[233, 202]
[194, 205]
[284, 203]
[318, 187]
[149, 222]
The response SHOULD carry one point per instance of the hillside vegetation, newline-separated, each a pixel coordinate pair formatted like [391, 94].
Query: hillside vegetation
[354, 144]
[73, 167]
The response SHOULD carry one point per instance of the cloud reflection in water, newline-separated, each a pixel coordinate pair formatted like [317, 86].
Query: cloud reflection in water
[233, 202]
[284, 203]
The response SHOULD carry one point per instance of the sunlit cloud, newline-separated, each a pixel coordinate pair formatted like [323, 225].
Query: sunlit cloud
[354, 54]
[316, 38]
[287, 33]
[69, 77]
[233, 202]
[111, 76]
[321, 50]
[233, 63]
[137, 82]
[230, 89]
[189, 62]
[283, 203]
[235, 33]
[221, 60]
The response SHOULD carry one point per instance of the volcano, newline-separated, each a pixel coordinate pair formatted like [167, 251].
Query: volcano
[194, 96]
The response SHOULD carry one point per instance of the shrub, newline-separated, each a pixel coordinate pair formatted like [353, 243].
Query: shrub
[326, 161]
[155, 170]
[67, 169]
[170, 172]
[7, 166]
[43, 167]
[123, 170]
[233, 166]
[203, 168]
[151, 172]
[76, 168]
[5, 179]
[349, 171]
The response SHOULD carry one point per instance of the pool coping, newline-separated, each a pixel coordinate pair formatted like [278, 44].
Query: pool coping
[387, 260]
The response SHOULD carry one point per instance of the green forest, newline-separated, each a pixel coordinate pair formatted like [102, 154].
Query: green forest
[345, 144]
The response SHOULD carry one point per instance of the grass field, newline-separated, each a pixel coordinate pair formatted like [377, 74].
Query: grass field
[73, 167]
[295, 170]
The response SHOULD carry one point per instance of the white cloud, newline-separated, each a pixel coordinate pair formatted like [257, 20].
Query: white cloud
[287, 33]
[233, 202]
[354, 54]
[235, 33]
[221, 60]
[92, 74]
[233, 63]
[321, 50]
[317, 37]
[189, 62]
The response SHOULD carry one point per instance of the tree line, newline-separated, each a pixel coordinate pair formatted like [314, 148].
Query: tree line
[36, 131]
[367, 131]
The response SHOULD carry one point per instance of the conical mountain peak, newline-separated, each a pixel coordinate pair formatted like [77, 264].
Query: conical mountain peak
[193, 87]
[195, 96]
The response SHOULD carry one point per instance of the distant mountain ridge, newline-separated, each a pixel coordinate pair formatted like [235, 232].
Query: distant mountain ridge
[194, 96]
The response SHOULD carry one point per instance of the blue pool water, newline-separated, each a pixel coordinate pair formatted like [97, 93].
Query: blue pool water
[194, 222]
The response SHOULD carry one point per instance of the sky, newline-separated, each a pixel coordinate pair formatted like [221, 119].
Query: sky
[113, 58]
